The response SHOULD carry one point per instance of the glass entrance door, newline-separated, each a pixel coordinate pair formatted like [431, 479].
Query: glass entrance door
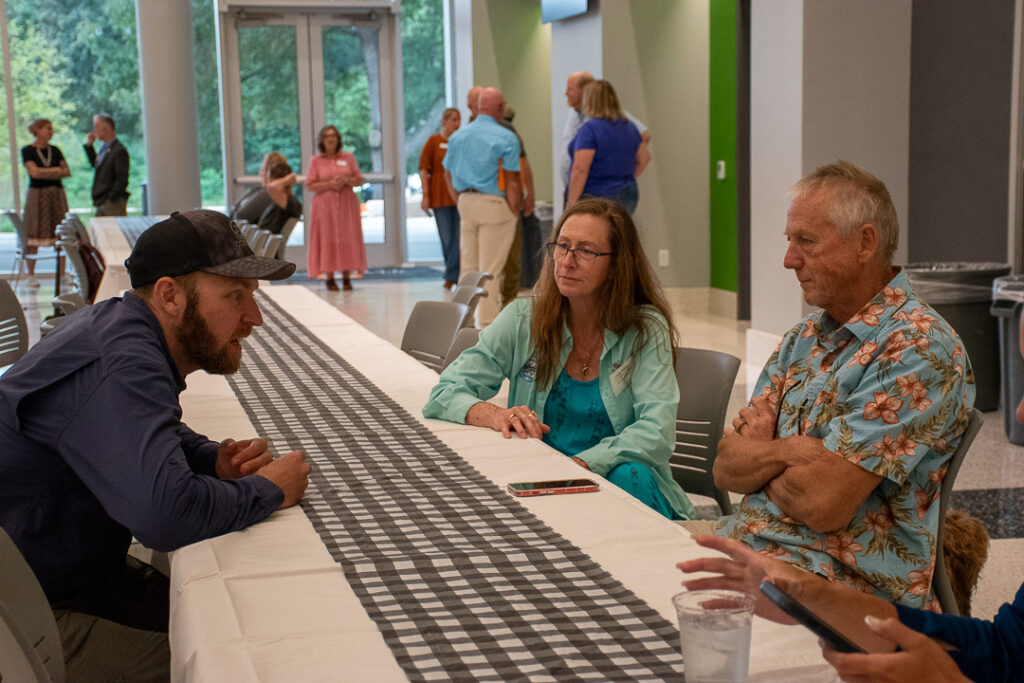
[285, 76]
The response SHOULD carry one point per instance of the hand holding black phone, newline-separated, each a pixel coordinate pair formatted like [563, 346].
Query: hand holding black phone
[787, 604]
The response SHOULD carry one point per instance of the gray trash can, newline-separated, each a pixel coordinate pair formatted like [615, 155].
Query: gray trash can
[536, 233]
[961, 292]
[1007, 306]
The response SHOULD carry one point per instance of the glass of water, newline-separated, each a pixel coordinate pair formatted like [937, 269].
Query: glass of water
[714, 631]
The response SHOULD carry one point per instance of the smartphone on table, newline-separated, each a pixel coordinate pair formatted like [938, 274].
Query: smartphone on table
[547, 488]
[833, 638]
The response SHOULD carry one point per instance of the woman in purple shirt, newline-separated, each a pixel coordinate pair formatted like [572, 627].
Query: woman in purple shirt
[607, 155]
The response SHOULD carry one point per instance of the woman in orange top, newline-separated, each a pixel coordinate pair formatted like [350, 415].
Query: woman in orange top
[438, 196]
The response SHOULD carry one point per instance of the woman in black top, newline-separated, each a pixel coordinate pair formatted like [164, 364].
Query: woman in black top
[46, 204]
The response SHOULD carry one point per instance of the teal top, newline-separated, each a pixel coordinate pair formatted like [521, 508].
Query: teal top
[576, 415]
[638, 389]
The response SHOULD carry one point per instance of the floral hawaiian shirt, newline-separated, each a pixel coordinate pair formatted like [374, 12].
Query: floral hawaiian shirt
[891, 390]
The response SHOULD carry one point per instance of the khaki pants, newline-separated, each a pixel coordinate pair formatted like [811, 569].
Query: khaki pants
[113, 208]
[487, 228]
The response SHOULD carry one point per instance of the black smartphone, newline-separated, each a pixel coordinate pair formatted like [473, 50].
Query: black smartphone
[547, 488]
[832, 637]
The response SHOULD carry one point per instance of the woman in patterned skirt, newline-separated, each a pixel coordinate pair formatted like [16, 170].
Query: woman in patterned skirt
[335, 225]
[45, 205]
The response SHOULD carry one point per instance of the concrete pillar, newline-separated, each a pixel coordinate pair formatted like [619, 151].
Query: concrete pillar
[168, 86]
[817, 95]
[576, 45]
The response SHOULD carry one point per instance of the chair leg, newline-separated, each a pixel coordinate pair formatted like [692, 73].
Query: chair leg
[20, 262]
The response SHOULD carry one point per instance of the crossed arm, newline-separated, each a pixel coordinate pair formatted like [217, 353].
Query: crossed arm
[807, 481]
[47, 173]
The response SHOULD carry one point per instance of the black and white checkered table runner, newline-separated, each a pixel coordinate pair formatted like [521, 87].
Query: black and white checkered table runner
[133, 226]
[463, 582]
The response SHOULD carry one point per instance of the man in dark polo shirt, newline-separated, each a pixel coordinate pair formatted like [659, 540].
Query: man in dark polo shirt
[94, 450]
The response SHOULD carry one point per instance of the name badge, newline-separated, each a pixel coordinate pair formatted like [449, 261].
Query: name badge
[443, 145]
[621, 376]
[528, 372]
[341, 163]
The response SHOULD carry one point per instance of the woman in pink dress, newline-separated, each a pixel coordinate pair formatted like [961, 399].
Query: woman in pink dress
[335, 230]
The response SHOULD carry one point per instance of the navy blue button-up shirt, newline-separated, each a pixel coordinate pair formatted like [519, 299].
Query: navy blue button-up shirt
[94, 452]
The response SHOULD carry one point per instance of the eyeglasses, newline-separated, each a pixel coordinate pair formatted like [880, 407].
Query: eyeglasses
[583, 256]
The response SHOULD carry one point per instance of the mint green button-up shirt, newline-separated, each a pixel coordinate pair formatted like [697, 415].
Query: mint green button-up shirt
[642, 408]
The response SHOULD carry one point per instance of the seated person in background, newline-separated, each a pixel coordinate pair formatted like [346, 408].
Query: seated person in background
[857, 413]
[962, 646]
[589, 357]
[94, 450]
[270, 207]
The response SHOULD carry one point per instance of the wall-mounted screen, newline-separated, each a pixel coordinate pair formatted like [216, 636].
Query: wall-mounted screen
[553, 10]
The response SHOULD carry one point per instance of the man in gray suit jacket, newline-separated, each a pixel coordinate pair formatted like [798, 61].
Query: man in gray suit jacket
[110, 183]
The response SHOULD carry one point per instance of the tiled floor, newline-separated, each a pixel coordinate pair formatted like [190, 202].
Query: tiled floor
[989, 486]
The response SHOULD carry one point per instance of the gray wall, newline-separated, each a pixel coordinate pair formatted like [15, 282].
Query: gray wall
[818, 95]
[960, 86]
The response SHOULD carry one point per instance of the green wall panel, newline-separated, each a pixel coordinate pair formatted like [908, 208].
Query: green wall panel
[722, 138]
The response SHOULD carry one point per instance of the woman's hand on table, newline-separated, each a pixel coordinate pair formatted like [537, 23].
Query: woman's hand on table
[241, 458]
[291, 474]
[518, 420]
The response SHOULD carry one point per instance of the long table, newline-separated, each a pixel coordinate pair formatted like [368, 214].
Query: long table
[270, 603]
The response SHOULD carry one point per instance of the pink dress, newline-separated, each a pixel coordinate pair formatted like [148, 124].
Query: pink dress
[335, 229]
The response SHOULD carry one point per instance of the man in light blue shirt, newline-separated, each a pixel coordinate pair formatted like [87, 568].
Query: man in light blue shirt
[482, 170]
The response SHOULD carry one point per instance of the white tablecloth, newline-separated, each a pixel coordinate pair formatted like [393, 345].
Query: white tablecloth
[269, 603]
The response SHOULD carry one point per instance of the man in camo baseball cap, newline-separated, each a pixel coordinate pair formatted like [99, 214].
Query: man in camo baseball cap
[203, 240]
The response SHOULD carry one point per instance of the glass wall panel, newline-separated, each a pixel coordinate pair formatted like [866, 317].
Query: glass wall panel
[270, 97]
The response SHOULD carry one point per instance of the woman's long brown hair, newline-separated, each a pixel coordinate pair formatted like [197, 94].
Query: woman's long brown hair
[630, 286]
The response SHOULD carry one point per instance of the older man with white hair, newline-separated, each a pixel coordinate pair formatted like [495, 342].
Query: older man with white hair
[842, 450]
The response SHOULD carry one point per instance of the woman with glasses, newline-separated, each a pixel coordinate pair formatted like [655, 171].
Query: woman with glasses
[335, 226]
[589, 358]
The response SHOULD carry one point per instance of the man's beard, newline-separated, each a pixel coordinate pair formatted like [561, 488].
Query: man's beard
[198, 343]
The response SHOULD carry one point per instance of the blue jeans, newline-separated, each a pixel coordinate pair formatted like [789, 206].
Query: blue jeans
[447, 219]
[628, 197]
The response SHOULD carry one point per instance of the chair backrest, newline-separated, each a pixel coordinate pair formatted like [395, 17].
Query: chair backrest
[79, 227]
[464, 339]
[248, 231]
[705, 383]
[474, 278]
[270, 249]
[13, 328]
[464, 294]
[69, 302]
[82, 277]
[258, 240]
[25, 612]
[940, 578]
[286, 232]
[431, 330]
[19, 229]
